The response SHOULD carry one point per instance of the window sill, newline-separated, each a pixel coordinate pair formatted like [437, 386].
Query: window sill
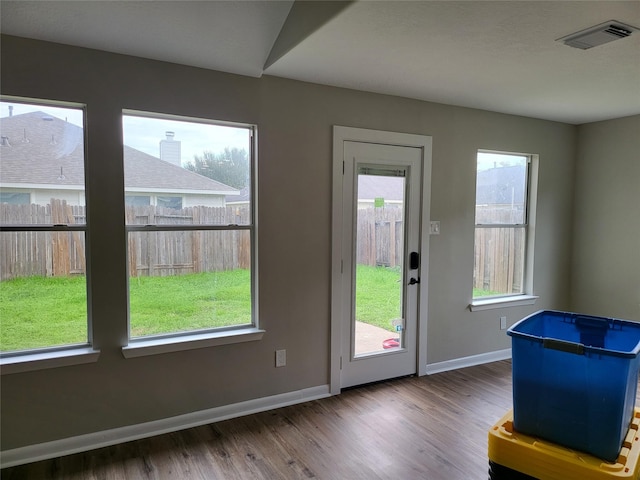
[493, 303]
[52, 359]
[156, 346]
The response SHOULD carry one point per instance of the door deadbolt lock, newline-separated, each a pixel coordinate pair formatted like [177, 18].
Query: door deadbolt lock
[414, 260]
[413, 281]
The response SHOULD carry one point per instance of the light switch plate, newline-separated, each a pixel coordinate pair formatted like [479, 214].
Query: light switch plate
[281, 358]
[434, 228]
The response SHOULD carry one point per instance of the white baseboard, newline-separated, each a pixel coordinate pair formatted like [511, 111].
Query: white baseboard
[468, 361]
[105, 438]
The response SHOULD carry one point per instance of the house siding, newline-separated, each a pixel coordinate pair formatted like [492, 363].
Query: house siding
[206, 200]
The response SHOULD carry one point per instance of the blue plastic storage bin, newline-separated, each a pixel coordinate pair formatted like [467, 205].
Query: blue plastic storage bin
[574, 379]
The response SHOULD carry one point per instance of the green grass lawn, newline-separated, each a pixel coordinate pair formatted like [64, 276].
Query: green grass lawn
[189, 302]
[36, 312]
[378, 291]
[484, 293]
[42, 311]
[378, 296]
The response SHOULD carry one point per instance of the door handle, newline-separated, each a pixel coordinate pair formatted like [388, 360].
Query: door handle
[413, 281]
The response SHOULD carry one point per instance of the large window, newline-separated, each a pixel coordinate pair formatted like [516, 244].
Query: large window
[43, 289]
[191, 241]
[501, 225]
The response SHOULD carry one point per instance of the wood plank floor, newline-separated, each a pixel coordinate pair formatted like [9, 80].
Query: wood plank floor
[432, 427]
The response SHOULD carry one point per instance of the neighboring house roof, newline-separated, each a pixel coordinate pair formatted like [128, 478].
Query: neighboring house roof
[244, 196]
[143, 171]
[500, 185]
[38, 149]
[35, 146]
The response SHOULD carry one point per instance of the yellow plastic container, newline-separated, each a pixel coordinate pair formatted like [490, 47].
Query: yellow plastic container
[547, 461]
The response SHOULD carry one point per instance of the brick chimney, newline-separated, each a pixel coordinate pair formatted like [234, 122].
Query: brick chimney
[171, 150]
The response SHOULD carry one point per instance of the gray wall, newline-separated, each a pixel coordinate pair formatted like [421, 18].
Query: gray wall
[295, 122]
[606, 251]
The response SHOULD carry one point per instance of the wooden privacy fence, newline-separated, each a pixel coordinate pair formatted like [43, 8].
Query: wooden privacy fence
[499, 252]
[42, 253]
[176, 252]
[380, 237]
[499, 257]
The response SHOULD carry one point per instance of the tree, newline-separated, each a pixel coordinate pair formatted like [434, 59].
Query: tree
[230, 167]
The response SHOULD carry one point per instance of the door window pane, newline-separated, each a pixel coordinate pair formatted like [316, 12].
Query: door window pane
[380, 253]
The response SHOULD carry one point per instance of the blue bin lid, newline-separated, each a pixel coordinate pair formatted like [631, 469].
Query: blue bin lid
[588, 322]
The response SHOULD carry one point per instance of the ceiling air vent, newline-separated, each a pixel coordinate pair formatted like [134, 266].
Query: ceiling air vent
[593, 36]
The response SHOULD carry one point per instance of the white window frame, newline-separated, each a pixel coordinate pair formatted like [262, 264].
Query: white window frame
[527, 297]
[40, 358]
[187, 340]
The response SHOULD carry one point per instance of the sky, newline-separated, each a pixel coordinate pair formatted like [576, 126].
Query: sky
[490, 160]
[144, 133]
[72, 115]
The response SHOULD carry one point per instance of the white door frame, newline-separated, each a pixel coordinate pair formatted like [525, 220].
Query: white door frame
[340, 135]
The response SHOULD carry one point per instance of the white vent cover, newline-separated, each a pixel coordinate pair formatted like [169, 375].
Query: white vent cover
[593, 36]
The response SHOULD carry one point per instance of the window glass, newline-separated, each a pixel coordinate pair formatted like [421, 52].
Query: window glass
[501, 224]
[198, 174]
[170, 202]
[43, 294]
[137, 200]
[15, 198]
[501, 189]
[199, 162]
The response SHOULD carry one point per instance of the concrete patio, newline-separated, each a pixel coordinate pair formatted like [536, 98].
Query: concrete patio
[369, 338]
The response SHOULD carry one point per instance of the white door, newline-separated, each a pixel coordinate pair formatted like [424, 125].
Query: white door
[381, 212]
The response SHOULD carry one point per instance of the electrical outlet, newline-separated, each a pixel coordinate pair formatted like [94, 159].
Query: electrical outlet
[503, 323]
[281, 358]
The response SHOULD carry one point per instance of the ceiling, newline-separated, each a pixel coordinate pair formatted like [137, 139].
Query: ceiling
[494, 55]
